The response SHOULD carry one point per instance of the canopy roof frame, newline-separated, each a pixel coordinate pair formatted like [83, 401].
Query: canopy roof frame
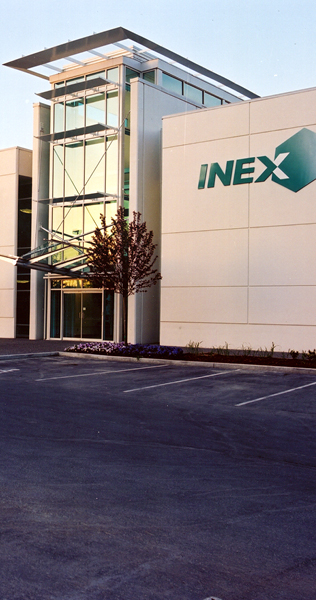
[113, 36]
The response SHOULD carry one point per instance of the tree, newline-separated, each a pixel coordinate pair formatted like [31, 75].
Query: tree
[122, 259]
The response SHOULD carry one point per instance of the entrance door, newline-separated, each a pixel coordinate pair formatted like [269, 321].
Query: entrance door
[91, 320]
[83, 315]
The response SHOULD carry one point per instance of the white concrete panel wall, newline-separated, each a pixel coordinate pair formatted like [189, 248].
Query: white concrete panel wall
[40, 189]
[237, 261]
[148, 105]
[13, 162]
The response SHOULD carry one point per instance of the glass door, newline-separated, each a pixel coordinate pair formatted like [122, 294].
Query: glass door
[83, 315]
[91, 320]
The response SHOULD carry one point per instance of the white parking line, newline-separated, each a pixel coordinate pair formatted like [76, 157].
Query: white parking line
[8, 370]
[148, 387]
[98, 373]
[277, 394]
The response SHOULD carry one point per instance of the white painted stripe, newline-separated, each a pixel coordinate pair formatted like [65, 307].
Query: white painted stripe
[148, 387]
[99, 373]
[8, 370]
[301, 387]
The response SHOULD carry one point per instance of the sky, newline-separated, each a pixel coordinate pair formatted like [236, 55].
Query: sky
[267, 46]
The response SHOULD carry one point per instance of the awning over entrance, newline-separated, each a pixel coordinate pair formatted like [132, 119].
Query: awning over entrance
[60, 257]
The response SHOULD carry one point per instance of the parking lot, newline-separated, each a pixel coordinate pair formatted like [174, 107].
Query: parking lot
[155, 481]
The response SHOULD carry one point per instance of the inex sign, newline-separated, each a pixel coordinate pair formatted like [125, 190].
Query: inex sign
[294, 165]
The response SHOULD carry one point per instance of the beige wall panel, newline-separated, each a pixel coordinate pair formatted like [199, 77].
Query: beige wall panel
[204, 304]
[8, 209]
[7, 270]
[8, 161]
[7, 304]
[282, 255]
[205, 258]
[203, 125]
[282, 112]
[238, 336]
[293, 305]
[25, 162]
[185, 207]
[7, 327]
[271, 203]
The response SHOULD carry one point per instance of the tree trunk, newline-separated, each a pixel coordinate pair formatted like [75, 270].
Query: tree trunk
[125, 318]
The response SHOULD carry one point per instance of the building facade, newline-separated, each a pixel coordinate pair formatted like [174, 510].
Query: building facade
[239, 225]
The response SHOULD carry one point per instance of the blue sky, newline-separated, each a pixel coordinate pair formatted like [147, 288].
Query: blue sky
[268, 46]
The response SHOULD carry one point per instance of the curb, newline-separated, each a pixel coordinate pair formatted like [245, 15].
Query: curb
[162, 361]
[191, 363]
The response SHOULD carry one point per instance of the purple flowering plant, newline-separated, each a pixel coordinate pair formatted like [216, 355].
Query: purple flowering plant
[123, 349]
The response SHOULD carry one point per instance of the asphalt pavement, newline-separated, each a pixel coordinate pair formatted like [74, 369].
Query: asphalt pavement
[139, 481]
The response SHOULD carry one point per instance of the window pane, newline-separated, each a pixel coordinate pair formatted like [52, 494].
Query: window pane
[73, 169]
[74, 114]
[192, 93]
[95, 166]
[149, 76]
[55, 314]
[210, 100]
[112, 108]
[111, 165]
[113, 74]
[131, 74]
[58, 161]
[127, 106]
[172, 84]
[94, 75]
[92, 218]
[57, 219]
[74, 80]
[73, 222]
[95, 109]
[110, 212]
[58, 117]
[126, 165]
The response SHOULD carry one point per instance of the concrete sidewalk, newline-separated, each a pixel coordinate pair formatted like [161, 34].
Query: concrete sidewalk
[18, 346]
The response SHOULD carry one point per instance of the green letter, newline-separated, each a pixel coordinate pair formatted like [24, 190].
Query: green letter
[224, 177]
[240, 171]
[202, 178]
[267, 172]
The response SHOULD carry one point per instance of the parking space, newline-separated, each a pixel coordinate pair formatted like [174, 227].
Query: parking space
[124, 480]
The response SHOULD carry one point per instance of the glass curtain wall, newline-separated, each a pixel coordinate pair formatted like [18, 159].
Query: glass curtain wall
[84, 186]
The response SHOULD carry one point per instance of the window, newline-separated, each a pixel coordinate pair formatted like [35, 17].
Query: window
[192, 93]
[94, 166]
[172, 84]
[113, 74]
[74, 114]
[210, 100]
[95, 75]
[111, 165]
[112, 108]
[58, 172]
[92, 218]
[150, 76]
[131, 74]
[73, 169]
[95, 109]
[58, 117]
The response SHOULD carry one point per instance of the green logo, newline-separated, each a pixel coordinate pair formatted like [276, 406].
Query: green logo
[293, 167]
